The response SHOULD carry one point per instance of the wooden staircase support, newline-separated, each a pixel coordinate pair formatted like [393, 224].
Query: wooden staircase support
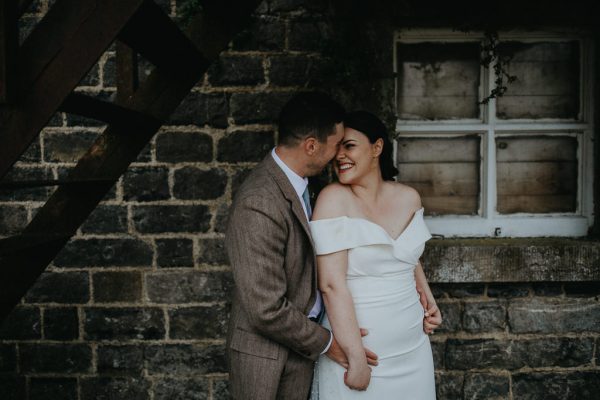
[24, 257]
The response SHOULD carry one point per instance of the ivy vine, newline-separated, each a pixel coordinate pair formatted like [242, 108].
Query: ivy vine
[491, 54]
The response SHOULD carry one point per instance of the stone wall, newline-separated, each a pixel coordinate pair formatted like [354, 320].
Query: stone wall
[135, 306]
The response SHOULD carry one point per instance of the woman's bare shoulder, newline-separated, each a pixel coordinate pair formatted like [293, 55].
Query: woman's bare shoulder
[333, 201]
[408, 195]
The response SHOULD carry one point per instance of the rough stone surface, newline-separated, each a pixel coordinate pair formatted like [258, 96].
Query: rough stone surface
[121, 360]
[209, 322]
[183, 359]
[212, 252]
[53, 388]
[159, 219]
[66, 147]
[26, 174]
[553, 315]
[245, 146]
[12, 219]
[188, 286]
[12, 386]
[175, 252]
[465, 354]
[110, 287]
[575, 385]
[290, 70]
[192, 389]
[146, 184]
[194, 183]
[60, 287]
[237, 70]
[449, 385]
[264, 33]
[23, 323]
[249, 108]
[8, 358]
[115, 388]
[484, 317]
[177, 147]
[202, 109]
[124, 324]
[451, 314]
[61, 323]
[486, 387]
[106, 219]
[55, 358]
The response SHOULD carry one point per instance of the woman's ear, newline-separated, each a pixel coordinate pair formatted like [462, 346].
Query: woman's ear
[377, 147]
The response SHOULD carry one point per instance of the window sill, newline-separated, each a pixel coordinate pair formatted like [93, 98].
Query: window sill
[512, 260]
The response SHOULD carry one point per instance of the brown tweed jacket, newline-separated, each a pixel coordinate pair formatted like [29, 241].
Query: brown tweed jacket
[273, 261]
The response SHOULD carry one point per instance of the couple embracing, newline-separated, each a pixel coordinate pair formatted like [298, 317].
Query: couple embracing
[340, 285]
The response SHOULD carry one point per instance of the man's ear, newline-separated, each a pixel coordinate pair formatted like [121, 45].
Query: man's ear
[377, 147]
[310, 145]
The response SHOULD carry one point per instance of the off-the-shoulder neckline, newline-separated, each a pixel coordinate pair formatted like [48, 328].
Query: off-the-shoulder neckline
[420, 210]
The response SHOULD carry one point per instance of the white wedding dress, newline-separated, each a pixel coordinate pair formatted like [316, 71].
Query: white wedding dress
[382, 283]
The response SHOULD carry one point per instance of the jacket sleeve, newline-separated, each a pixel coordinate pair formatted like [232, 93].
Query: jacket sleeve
[256, 245]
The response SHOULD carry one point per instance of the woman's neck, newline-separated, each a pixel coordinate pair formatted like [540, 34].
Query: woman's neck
[369, 189]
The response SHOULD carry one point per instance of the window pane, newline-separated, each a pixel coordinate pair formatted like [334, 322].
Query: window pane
[536, 174]
[547, 84]
[438, 81]
[445, 171]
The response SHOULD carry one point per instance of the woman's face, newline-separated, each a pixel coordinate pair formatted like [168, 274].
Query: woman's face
[356, 158]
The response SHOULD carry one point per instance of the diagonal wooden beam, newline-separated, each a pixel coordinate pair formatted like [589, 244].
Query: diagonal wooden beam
[54, 58]
[110, 155]
[9, 37]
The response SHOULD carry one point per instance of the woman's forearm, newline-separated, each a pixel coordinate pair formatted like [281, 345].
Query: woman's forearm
[422, 284]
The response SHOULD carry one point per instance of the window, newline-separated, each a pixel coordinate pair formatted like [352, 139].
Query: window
[519, 165]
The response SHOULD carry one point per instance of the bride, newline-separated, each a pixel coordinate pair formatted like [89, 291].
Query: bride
[369, 234]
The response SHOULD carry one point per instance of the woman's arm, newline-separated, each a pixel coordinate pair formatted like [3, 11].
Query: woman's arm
[433, 316]
[332, 270]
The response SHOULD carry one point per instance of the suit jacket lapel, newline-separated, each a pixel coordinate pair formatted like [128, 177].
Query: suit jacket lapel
[289, 193]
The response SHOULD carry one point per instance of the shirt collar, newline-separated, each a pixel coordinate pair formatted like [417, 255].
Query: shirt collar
[299, 183]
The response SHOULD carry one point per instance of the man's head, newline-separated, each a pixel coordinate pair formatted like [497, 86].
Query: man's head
[311, 125]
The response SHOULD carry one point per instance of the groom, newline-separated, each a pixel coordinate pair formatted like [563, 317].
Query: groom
[274, 337]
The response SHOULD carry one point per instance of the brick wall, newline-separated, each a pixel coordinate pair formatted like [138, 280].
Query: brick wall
[135, 306]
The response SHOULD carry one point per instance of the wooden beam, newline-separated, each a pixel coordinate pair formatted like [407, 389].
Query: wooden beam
[9, 38]
[110, 156]
[127, 72]
[54, 58]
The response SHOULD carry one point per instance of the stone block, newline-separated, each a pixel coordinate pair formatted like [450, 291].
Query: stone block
[547, 289]
[231, 70]
[221, 218]
[238, 177]
[82, 253]
[508, 290]
[255, 108]
[451, 316]
[486, 387]
[190, 388]
[111, 287]
[18, 173]
[202, 109]
[291, 70]
[177, 147]
[185, 359]
[69, 358]
[115, 388]
[572, 385]
[212, 252]
[120, 360]
[466, 354]
[555, 352]
[163, 218]
[23, 323]
[12, 387]
[106, 219]
[124, 324]
[188, 286]
[61, 323]
[146, 184]
[245, 146]
[449, 385]
[554, 315]
[33, 154]
[264, 34]
[193, 183]
[92, 78]
[308, 35]
[53, 388]
[13, 219]
[220, 389]
[8, 358]
[174, 252]
[206, 322]
[438, 349]
[67, 147]
[464, 290]
[484, 316]
[60, 287]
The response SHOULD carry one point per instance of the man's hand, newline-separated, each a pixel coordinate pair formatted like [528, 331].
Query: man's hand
[336, 353]
[433, 316]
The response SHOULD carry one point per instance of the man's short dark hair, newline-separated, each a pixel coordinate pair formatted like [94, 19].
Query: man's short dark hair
[309, 114]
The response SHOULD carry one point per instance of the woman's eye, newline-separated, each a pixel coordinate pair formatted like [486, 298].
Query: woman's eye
[349, 146]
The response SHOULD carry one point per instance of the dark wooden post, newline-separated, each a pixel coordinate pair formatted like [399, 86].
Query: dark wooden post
[9, 37]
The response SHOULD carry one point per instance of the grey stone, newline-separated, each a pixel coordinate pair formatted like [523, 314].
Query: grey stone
[60, 287]
[120, 359]
[202, 109]
[508, 290]
[23, 323]
[237, 70]
[188, 286]
[547, 289]
[92, 78]
[438, 349]
[184, 359]
[577, 385]
[67, 147]
[53, 388]
[174, 252]
[146, 184]
[486, 387]
[221, 389]
[466, 354]
[191, 388]
[207, 322]
[264, 33]
[115, 388]
[193, 183]
[221, 218]
[555, 352]
[248, 108]
[26, 174]
[184, 146]
[484, 317]
[13, 219]
[245, 146]
[61, 323]
[451, 316]
[290, 70]
[239, 176]
[124, 324]
[33, 154]
[309, 35]
[110, 287]
[105, 253]
[554, 315]
[449, 385]
[8, 358]
[106, 219]
[162, 219]
[212, 252]
[55, 358]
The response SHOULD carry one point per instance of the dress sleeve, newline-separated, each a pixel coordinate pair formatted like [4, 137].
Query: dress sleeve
[336, 234]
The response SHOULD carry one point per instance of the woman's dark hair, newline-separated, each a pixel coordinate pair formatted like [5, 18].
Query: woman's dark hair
[309, 114]
[372, 127]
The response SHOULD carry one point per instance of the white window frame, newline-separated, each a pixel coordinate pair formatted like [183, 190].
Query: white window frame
[488, 222]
